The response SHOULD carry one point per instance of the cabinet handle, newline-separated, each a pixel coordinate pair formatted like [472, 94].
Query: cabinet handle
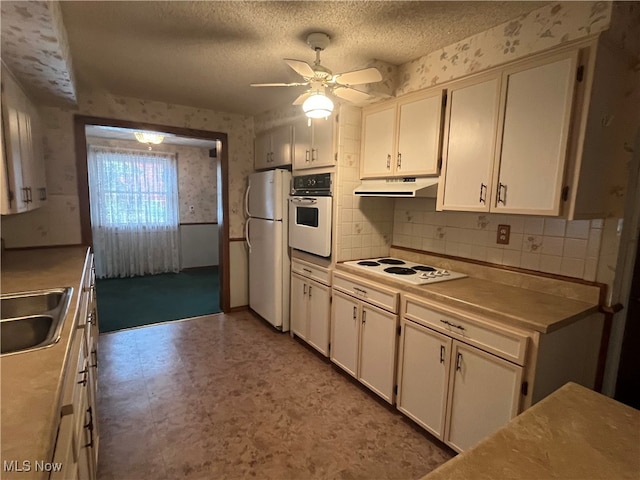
[90, 427]
[25, 195]
[306, 270]
[355, 312]
[483, 189]
[30, 194]
[307, 156]
[84, 374]
[90, 317]
[94, 355]
[389, 162]
[459, 362]
[309, 291]
[364, 317]
[43, 193]
[399, 163]
[304, 289]
[502, 198]
[447, 322]
[314, 154]
[441, 353]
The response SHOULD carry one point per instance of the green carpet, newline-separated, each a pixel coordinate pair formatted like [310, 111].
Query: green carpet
[137, 301]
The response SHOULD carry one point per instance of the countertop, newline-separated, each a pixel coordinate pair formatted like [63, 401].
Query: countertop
[31, 382]
[574, 433]
[510, 305]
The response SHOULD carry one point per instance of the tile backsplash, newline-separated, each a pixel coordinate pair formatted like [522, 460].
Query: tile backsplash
[551, 245]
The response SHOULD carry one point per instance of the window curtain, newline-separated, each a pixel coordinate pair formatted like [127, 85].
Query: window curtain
[134, 211]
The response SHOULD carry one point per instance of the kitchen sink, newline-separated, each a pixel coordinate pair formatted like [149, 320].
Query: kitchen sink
[32, 320]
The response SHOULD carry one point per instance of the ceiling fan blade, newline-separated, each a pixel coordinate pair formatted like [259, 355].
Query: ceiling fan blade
[300, 67]
[358, 77]
[350, 94]
[300, 100]
[278, 84]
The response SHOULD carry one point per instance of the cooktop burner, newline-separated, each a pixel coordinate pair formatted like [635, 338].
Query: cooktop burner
[424, 268]
[400, 271]
[391, 261]
[408, 272]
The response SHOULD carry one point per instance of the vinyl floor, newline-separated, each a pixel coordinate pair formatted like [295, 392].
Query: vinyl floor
[228, 397]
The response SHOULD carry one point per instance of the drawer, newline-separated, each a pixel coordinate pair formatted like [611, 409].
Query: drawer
[369, 292]
[76, 373]
[314, 272]
[503, 342]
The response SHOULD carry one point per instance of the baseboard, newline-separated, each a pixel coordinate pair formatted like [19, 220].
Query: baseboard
[205, 267]
[242, 308]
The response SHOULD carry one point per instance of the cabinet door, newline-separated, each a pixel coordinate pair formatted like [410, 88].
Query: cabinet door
[345, 328]
[484, 393]
[378, 142]
[281, 146]
[12, 141]
[318, 314]
[535, 136]
[299, 318]
[469, 152]
[322, 145]
[378, 340]
[262, 146]
[301, 145]
[424, 376]
[419, 128]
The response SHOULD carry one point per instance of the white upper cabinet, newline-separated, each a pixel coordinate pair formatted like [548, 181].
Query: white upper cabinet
[23, 173]
[313, 145]
[469, 151]
[542, 136]
[535, 133]
[273, 148]
[402, 138]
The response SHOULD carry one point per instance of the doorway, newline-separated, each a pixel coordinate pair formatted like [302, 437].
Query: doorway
[81, 123]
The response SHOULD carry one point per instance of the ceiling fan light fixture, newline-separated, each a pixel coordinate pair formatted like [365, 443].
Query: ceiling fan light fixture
[149, 137]
[317, 105]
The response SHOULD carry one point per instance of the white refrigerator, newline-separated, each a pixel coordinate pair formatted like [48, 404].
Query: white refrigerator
[266, 233]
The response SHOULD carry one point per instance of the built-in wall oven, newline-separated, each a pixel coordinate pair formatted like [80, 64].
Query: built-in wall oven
[310, 207]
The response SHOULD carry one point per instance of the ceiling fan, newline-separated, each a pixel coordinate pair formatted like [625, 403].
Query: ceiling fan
[321, 80]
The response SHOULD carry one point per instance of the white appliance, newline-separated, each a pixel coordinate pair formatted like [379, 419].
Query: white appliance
[405, 271]
[310, 213]
[266, 237]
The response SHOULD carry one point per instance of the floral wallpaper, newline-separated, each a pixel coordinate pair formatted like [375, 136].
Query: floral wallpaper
[197, 182]
[59, 222]
[536, 31]
[35, 47]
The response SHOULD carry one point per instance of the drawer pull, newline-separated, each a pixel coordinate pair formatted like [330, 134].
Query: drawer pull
[364, 317]
[459, 362]
[94, 354]
[307, 270]
[447, 322]
[355, 312]
[309, 291]
[304, 289]
[360, 290]
[441, 353]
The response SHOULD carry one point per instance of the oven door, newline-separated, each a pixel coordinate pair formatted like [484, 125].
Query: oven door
[310, 224]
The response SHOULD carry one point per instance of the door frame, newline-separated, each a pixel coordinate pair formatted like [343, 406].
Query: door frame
[79, 124]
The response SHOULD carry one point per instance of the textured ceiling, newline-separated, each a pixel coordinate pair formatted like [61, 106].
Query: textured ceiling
[205, 54]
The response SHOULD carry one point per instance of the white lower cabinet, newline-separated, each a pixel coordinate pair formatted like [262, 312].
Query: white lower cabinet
[484, 393]
[310, 304]
[456, 391]
[364, 338]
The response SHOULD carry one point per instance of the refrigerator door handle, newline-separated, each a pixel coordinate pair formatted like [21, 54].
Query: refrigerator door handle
[246, 200]
[246, 233]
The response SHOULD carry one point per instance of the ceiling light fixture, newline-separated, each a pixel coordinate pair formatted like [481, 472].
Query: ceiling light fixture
[318, 105]
[149, 138]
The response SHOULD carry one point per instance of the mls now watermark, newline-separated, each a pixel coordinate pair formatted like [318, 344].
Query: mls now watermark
[29, 466]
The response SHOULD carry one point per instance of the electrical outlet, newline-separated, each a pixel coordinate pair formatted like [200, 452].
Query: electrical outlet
[192, 209]
[503, 234]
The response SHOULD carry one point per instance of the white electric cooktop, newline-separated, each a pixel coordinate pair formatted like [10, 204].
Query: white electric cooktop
[405, 271]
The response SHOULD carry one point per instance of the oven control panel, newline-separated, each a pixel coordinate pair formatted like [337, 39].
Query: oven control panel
[318, 184]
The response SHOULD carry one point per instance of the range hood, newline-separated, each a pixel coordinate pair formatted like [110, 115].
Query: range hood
[398, 187]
